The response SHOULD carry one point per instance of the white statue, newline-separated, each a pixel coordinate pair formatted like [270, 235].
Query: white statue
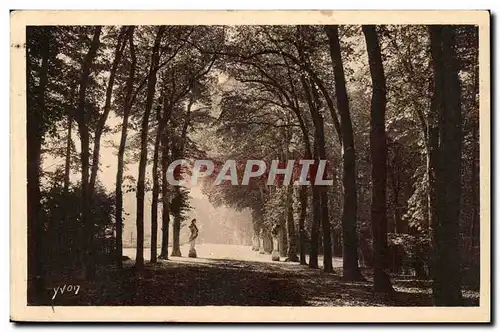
[192, 238]
[275, 256]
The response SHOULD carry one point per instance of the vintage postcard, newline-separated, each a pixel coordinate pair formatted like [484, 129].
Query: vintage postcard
[246, 166]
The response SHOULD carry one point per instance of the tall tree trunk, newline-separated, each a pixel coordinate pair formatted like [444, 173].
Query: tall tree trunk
[446, 265]
[120, 45]
[474, 231]
[325, 218]
[176, 228]
[314, 243]
[431, 154]
[335, 234]
[176, 210]
[319, 146]
[303, 190]
[291, 241]
[160, 142]
[165, 218]
[474, 234]
[313, 101]
[67, 168]
[156, 190]
[179, 153]
[290, 224]
[349, 212]
[325, 225]
[283, 236]
[302, 218]
[69, 142]
[121, 150]
[83, 129]
[34, 135]
[432, 147]
[139, 262]
[378, 149]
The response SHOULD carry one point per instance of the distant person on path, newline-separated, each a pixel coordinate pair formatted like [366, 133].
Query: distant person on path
[192, 238]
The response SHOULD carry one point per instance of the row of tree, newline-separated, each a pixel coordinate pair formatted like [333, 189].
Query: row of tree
[158, 85]
[260, 92]
[396, 183]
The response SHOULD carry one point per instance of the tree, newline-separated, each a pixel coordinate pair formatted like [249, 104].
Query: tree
[185, 86]
[446, 264]
[156, 186]
[120, 45]
[302, 217]
[378, 148]
[144, 141]
[82, 119]
[350, 243]
[320, 205]
[180, 195]
[35, 135]
[164, 195]
[127, 105]
[69, 146]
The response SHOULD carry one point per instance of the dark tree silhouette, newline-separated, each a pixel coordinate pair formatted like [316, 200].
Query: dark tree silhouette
[350, 243]
[378, 149]
[139, 262]
[446, 265]
[82, 119]
[127, 105]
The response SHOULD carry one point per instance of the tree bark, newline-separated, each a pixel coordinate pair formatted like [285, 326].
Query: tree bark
[349, 212]
[69, 142]
[291, 243]
[67, 169]
[83, 129]
[176, 229]
[474, 234]
[324, 202]
[319, 216]
[314, 244]
[378, 149]
[283, 231]
[303, 189]
[176, 250]
[302, 218]
[139, 262]
[432, 147]
[34, 135]
[161, 142]
[290, 224]
[446, 264]
[475, 225]
[121, 150]
[165, 201]
[156, 190]
[176, 211]
[325, 225]
[283, 237]
[120, 45]
[433, 144]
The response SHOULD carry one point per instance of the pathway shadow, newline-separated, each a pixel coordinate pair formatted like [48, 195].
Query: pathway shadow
[227, 282]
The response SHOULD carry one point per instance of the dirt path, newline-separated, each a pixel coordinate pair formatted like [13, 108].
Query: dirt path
[252, 280]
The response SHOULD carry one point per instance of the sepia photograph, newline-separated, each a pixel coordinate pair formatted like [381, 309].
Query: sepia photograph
[282, 166]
